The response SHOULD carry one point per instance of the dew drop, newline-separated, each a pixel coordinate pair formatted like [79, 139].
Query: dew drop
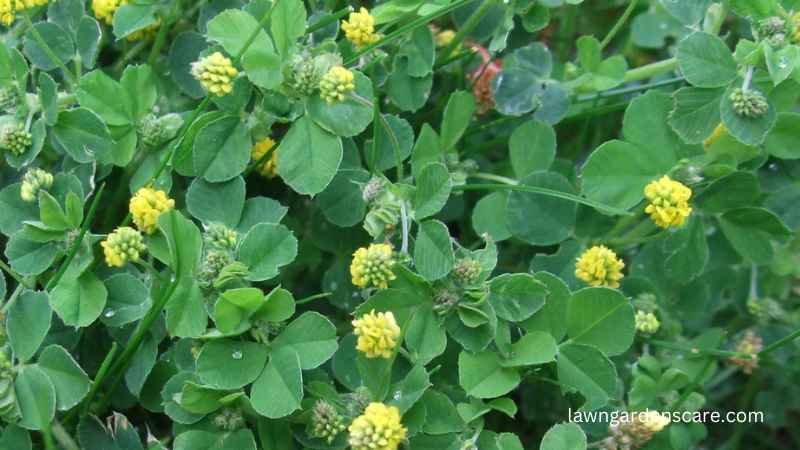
[397, 395]
[662, 26]
[783, 62]
[109, 313]
[237, 354]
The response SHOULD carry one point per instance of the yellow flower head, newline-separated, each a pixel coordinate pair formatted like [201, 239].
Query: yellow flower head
[599, 266]
[652, 421]
[377, 333]
[715, 135]
[268, 168]
[147, 205]
[104, 9]
[444, 38]
[359, 28]
[373, 265]
[336, 84]
[669, 202]
[215, 72]
[646, 322]
[123, 245]
[379, 428]
[8, 14]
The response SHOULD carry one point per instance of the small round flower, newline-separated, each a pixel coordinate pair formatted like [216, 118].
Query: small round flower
[750, 103]
[215, 72]
[16, 139]
[750, 344]
[147, 205]
[104, 9]
[33, 181]
[359, 28]
[467, 271]
[647, 322]
[336, 84]
[379, 428]
[123, 245]
[219, 236]
[599, 266]
[652, 421]
[377, 333]
[668, 202]
[7, 13]
[326, 422]
[373, 265]
[268, 168]
[444, 38]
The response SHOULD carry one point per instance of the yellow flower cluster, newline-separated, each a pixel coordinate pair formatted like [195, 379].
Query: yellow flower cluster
[8, 14]
[123, 245]
[378, 334]
[651, 421]
[599, 266]
[147, 205]
[379, 428]
[215, 72]
[669, 202]
[268, 168]
[359, 28]
[336, 84]
[373, 265]
[647, 322]
[444, 38]
[104, 9]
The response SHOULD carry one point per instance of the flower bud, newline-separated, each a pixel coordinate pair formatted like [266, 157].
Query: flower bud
[229, 419]
[359, 28]
[212, 265]
[647, 322]
[750, 344]
[216, 73]
[8, 99]
[444, 300]
[326, 422]
[750, 103]
[336, 84]
[15, 138]
[221, 237]
[156, 131]
[33, 181]
[373, 266]
[599, 266]
[123, 245]
[379, 428]
[267, 165]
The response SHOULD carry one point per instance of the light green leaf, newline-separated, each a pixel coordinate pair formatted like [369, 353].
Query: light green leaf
[564, 436]
[536, 347]
[706, 61]
[265, 249]
[279, 390]
[585, 369]
[433, 252]
[229, 364]
[457, 116]
[70, 381]
[308, 157]
[601, 317]
[311, 336]
[482, 375]
[36, 398]
[433, 190]
[532, 147]
[28, 322]
[79, 301]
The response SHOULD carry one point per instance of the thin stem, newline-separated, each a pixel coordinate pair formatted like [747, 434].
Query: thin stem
[620, 23]
[722, 354]
[404, 29]
[47, 435]
[748, 78]
[692, 386]
[628, 90]
[250, 39]
[329, 19]
[650, 70]
[495, 178]
[129, 55]
[14, 296]
[98, 381]
[385, 124]
[62, 437]
[19, 279]
[311, 298]
[543, 191]
[161, 36]
[49, 51]
[469, 26]
[87, 221]
[780, 343]
[404, 224]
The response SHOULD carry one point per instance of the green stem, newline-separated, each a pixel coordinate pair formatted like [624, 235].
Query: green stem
[63, 438]
[620, 22]
[19, 279]
[47, 435]
[780, 343]
[130, 54]
[98, 379]
[250, 39]
[721, 354]
[311, 298]
[469, 26]
[329, 19]
[391, 37]
[543, 191]
[650, 70]
[495, 178]
[695, 384]
[49, 51]
[385, 124]
[87, 221]
[161, 36]
[14, 296]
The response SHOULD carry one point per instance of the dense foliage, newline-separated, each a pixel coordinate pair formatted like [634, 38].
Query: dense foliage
[418, 224]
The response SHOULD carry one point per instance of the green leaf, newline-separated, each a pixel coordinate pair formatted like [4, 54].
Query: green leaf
[706, 61]
[585, 369]
[28, 323]
[433, 190]
[696, 113]
[83, 136]
[79, 301]
[184, 241]
[552, 317]
[751, 232]
[395, 138]
[140, 84]
[279, 305]
[342, 201]
[601, 317]
[51, 213]
[346, 118]
[88, 38]
[199, 399]
[260, 210]
[131, 18]
[532, 147]
[265, 249]
[688, 251]
[536, 347]
[287, 23]
[233, 27]
[205, 440]
[15, 437]
[29, 257]
[442, 416]
[70, 381]
[425, 336]
[555, 217]
[311, 336]
[48, 96]
[234, 308]
[732, 191]
[222, 149]
[564, 436]
[228, 364]
[419, 51]
[781, 141]
[95, 90]
[279, 390]
[426, 150]
[483, 376]
[408, 391]
[433, 252]
[216, 202]
[36, 398]
[407, 92]
[457, 116]
[517, 296]
[186, 310]
[308, 157]
[56, 38]
[128, 300]
[489, 216]
[747, 130]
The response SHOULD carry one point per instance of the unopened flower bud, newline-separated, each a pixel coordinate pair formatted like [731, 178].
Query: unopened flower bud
[216, 73]
[467, 271]
[15, 138]
[219, 236]
[229, 419]
[336, 84]
[33, 181]
[123, 245]
[326, 422]
[750, 103]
